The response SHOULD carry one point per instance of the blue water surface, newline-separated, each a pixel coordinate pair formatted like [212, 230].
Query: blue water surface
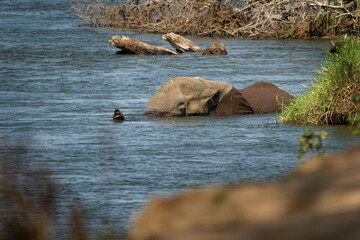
[59, 85]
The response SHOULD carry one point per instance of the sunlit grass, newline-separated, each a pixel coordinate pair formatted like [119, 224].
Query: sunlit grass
[329, 98]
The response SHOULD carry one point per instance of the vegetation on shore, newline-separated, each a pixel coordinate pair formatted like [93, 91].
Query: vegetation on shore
[329, 99]
[230, 18]
[313, 141]
[355, 120]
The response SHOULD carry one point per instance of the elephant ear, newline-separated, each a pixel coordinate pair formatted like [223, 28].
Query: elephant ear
[212, 103]
[202, 103]
[233, 103]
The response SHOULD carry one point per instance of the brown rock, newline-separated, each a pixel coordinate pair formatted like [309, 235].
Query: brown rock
[118, 115]
[215, 49]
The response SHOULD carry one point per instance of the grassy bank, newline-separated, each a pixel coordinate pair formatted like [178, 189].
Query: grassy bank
[329, 99]
[230, 18]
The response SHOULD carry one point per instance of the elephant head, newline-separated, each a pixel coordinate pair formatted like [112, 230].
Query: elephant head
[193, 96]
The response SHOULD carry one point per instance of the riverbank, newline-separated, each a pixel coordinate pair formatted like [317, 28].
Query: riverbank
[319, 200]
[330, 98]
[249, 19]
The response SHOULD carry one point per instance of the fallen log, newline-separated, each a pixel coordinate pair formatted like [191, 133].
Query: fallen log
[215, 49]
[132, 45]
[180, 43]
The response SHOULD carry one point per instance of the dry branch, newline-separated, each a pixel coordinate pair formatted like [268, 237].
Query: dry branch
[253, 18]
[326, 5]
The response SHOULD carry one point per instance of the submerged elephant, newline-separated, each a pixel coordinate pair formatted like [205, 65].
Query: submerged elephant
[265, 97]
[193, 96]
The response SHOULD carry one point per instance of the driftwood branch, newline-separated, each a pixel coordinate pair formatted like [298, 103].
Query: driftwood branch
[180, 43]
[326, 5]
[132, 45]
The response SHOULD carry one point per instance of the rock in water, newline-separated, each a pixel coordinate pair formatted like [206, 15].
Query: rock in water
[133, 45]
[180, 43]
[215, 49]
[118, 115]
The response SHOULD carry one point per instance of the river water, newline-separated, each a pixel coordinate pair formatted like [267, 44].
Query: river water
[59, 85]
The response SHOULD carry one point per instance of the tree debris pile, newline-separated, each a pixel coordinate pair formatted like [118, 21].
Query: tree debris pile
[231, 18]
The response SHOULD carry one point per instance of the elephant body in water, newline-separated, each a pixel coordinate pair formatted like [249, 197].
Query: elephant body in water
[187, 96]
[265, 97]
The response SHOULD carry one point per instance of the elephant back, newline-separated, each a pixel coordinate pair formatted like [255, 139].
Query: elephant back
[265, 97]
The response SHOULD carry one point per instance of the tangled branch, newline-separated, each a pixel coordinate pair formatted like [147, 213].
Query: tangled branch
[252, 18]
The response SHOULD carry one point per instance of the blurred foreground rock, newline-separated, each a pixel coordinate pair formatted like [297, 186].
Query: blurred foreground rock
[319, 200]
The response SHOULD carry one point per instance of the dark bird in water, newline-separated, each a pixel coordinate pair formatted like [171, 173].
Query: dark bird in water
[118, 115]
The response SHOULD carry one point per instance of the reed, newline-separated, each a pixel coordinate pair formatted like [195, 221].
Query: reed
[329, 99]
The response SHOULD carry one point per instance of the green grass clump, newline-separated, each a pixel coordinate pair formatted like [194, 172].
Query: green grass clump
[312, 141]
[329, 98]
